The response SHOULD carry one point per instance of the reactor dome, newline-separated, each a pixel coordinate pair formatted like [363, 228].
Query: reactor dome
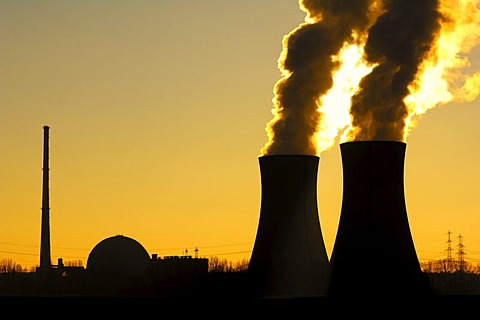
[118, 256]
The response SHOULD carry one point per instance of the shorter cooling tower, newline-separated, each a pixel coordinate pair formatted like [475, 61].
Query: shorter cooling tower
[374, 253]
[289, 258]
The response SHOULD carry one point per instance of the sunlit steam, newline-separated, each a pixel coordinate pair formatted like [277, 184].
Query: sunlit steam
[308, 64]
[399, 41]
[446, 77]
[369, 68]
[335, 104]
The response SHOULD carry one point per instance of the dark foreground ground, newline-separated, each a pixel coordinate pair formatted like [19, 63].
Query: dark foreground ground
[382, 307]
[223, 296]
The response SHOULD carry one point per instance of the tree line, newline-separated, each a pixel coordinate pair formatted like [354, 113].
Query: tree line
[216, 264]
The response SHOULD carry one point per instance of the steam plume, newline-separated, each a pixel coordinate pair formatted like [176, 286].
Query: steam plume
[447, 74]
[414, 54]
[307, 66]
[398, 42]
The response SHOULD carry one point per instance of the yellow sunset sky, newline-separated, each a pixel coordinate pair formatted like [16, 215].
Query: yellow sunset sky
[157, 113]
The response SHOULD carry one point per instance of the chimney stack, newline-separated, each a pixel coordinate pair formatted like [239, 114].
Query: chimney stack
[289, 258]
[374, 253]
[45, 259]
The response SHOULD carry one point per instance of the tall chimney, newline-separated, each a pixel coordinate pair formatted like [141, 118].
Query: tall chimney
[289, 258]
[374, 251]
[45, 260]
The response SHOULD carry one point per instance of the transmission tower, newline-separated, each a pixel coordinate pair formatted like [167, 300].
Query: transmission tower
[449, 260]
[461, 254]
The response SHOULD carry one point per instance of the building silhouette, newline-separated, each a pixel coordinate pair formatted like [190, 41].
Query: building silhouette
[373, 253]
[117, 265]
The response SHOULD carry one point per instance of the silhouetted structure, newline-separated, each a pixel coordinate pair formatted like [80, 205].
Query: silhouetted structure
[289, 258]
[45, 256]
[118, 265]
[178, 275]
[374, 251]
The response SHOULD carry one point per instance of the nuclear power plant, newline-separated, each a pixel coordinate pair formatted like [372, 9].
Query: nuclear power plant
[374, 251]
[289, 258]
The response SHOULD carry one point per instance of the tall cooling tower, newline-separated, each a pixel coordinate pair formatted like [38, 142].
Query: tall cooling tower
[374, 251]
[289, 258]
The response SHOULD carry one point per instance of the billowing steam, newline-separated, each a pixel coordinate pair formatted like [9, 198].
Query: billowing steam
[308, 67]
[398, 42]
[367, 67]
[446, 74]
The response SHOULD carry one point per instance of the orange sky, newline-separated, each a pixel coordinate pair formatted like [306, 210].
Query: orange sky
[157, 115]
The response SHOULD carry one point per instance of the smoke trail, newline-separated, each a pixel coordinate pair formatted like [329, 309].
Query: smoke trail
[307, 67]
[398, 42]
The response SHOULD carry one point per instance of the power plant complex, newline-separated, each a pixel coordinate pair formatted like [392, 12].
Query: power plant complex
[289, 259]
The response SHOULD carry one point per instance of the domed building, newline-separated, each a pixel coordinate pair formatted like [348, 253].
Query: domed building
[117, 263]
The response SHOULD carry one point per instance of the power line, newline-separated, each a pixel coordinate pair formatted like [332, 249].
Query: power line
[25, 254]
[163, 249]
[21, 245]
[36, 246]
[217, 246]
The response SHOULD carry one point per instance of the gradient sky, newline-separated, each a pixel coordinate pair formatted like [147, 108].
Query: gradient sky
[157, 113]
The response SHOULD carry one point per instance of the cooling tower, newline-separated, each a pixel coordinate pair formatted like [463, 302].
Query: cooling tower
[374, 251]
[289, 257]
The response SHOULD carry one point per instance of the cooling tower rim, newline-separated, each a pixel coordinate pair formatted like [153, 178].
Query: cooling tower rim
[289, 156]
[374, 142]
